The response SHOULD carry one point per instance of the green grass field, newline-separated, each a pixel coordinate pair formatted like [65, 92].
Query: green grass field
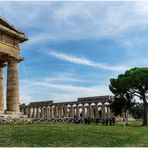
[65, 135]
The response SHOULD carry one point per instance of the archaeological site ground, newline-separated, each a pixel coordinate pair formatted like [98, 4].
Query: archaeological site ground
[65, 135]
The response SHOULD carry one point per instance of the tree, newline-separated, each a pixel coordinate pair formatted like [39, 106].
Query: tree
[22, 107]
[123, 101]
[135, 83]
[137, 110]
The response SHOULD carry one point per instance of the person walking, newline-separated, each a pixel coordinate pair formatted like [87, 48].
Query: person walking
[113, 120]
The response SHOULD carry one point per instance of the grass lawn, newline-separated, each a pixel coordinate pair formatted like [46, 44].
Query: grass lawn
[73, 135]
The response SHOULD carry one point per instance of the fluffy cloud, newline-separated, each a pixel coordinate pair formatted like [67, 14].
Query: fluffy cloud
[79, 20]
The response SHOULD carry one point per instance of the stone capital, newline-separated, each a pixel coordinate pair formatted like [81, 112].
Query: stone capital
[15, 60]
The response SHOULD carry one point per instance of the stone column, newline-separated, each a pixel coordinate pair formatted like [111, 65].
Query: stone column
[78, 112]
[74, 111]
[60, 111]
[45, 112]
[1, 92]
[48, 111]
[54, 112]
[96, 110]
[103, 110]
[89, 110]
[12, 88]
[33, 112]
[51, 112]
[71, 111]
[25, 111]
[57, 111]
[92, 111]
[42, 112]
[108, 111]
[37, 112]
[83, 110]
[30, 113]
[66, 111]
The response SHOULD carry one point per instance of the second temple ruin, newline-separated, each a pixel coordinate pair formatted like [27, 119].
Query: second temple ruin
[93, 107]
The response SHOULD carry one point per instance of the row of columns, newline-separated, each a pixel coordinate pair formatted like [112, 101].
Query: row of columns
[12, 93]
[68, 111]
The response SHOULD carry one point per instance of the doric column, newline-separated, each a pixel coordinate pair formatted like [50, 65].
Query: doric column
[42, 112]
[108, 111]
[103, 110]
[65, 111]
[51, 112]
[60, 111]
[33, 112]
[37, 112]
[1, 91]
[83, 110]
[89, 110]
[96, 110]
[48, 111]
[12, 87]
[77, 109]
[92, 111]
[45, 112]
[26, 111]
[30, 112]
[71, 111]
[56, 111]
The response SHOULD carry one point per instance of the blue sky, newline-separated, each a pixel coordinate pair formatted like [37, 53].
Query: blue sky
[74, 48]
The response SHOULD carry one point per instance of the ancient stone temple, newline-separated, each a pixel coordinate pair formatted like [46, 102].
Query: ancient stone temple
[10, 38]
[93, 107]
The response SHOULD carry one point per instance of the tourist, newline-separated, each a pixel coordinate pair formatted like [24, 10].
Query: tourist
[110, 121]
[106, 121]
[103, 121]
[113, 120]
[87, 120]
[97, 120]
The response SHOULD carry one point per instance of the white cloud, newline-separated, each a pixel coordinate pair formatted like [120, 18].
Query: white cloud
[39, 89]
[84, 61]
[75, 20]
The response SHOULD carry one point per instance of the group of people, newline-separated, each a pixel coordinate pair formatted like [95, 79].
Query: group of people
[105, 121]
[108, 121]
